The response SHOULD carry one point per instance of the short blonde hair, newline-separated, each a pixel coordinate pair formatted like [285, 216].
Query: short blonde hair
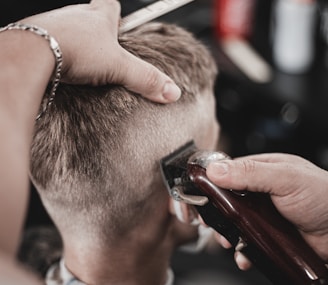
[95, 152]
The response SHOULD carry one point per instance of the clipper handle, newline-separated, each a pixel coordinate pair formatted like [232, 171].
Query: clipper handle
[251, 221]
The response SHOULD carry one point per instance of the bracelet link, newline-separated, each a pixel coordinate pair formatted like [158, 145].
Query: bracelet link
[54, 46]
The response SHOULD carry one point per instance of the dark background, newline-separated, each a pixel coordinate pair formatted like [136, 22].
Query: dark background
[288, 114]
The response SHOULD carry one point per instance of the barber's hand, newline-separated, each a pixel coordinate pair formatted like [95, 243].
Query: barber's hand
[298, 189]
[88, 37]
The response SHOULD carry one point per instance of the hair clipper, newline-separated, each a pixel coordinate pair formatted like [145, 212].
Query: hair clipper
[248, 220]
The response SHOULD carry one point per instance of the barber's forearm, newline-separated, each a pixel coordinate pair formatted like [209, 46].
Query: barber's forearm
[26, 66]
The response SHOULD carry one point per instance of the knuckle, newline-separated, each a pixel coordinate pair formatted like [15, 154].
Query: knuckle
[248, 166]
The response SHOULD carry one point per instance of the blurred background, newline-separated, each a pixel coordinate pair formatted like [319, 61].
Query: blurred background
[272, 92]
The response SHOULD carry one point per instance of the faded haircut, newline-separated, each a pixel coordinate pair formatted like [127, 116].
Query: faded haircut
[95, 153]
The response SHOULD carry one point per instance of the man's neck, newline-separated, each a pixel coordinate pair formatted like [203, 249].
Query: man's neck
[131, 261]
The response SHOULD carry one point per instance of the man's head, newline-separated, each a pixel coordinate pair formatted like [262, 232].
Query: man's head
[95, 153]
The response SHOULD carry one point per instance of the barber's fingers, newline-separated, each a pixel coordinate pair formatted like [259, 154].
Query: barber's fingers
[242, 261]
[222, 240]
[273, 158]
[134, 73]
[256, 176]
[145, 79]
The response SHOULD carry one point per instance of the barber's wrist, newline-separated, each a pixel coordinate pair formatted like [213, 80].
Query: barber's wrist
[27, 64]
[54, 47]
[27, 49]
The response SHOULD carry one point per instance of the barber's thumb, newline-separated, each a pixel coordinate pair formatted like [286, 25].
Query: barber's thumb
[219, 173]
[245, 174]
[145, 79]
[231, 174]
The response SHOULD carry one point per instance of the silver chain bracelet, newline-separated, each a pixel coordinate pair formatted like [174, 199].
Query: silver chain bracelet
[54, 46]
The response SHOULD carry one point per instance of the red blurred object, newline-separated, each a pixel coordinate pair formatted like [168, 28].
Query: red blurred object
[233, 18]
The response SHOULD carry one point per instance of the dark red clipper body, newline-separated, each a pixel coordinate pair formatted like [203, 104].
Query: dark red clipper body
[248, 220]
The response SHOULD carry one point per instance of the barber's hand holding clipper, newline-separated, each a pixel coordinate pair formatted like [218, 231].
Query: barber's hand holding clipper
[298, 189]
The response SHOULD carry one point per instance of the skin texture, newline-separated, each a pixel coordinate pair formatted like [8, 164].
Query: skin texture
[298, 189]
[21, 90]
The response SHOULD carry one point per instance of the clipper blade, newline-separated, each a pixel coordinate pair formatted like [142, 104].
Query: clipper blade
[174, 164]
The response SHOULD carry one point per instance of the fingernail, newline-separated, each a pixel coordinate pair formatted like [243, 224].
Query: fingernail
[217, 169]
[171, 92]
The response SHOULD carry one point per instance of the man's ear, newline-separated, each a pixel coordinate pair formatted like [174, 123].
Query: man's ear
[185, 213]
